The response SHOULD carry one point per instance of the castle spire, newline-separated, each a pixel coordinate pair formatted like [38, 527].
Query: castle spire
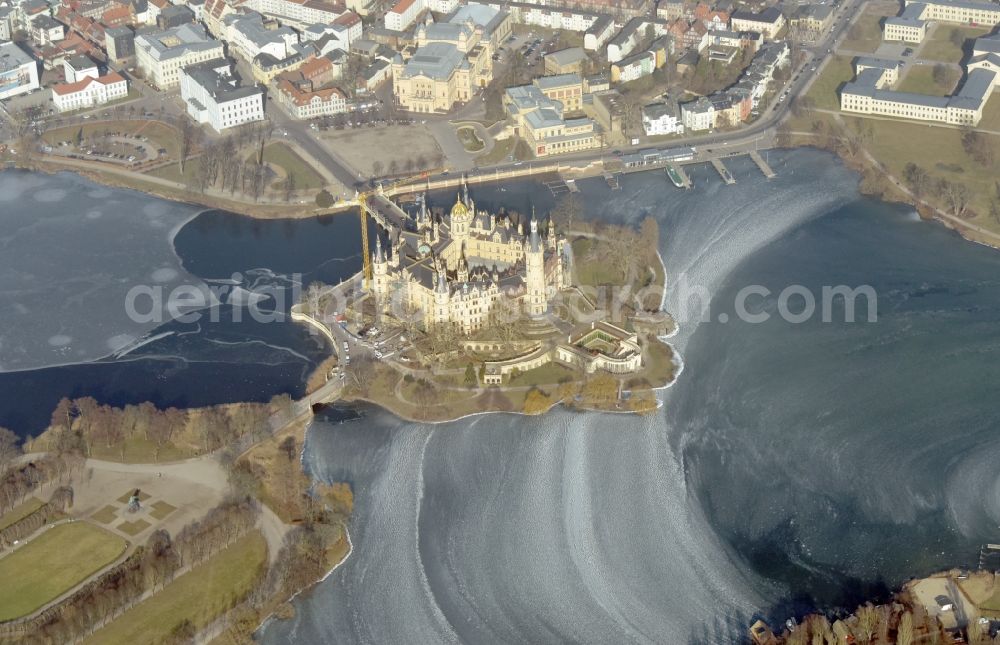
[379, 255]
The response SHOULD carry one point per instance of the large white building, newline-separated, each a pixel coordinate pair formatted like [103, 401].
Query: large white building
[89, 91]
[161, 55]
[302, 12]
[214, 97]
[403, 14]
[18, 71]
[661, 118]
[911, 25]
[870, 92]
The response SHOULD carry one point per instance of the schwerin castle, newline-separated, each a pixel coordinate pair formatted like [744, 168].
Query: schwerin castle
[464, 269]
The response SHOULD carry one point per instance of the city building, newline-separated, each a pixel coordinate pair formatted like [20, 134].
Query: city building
[568, 89]
[403, 14]
[451, 62]
[633, 67]
[566, 61]
[161, 55]
[18, 71]
[698, 115]
[911, 25]
[250, 36]
[214, 97]
[465, 269]
[768, 22]
[78, 68]
[119, 42]
[662, 118]
[540, 120]
[298, 12]
[871, 90]
[305, 101]
[89, 91]
[44, 29]
[812, 19]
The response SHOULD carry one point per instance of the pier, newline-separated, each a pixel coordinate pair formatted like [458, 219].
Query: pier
[764, 168]
[612, 181]
[571, 184]
[723, 171]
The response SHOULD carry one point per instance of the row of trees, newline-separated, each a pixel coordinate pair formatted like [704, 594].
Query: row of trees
[80, 425]
[408, 165]
[18, 482]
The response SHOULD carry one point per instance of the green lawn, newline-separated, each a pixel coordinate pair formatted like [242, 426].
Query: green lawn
[53, 563]
[920, 79]
[548, 374]
[589, 272]
[939, 46]
[824, 90]
[133, 528]
[306, 178]
[106, 515]
[158, 133]
[172, 171]
[20, 512]
[502, 149]
[199, 596]
[866, 34]
[162, 509]
[991, 114]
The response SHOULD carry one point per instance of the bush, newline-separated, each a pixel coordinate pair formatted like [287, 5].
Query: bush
[324, 199]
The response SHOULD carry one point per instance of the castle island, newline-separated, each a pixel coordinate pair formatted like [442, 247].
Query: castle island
[468, 310]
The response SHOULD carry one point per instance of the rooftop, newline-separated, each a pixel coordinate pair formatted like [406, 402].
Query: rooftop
[177, 41]
[12, 57]
[213, 76]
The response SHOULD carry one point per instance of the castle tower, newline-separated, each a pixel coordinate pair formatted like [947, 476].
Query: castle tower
[534, 252]
[441, 297]
[463, 268]
[460, 220]
[380, 273]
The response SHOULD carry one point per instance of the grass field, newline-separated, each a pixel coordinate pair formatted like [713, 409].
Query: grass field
[920, 79]
[823, 91]
[139, 450]
[939, 46]
[504, 147]
[305, 176]
[991, 115]
[20, 511]
[172, 171]
[53, 563]
[591, 273]
[866, 34]
[200, 596]
[939, 151]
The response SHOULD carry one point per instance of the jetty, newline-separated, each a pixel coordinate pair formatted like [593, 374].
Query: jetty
[764, 168]
[612, 180]
[723, 171]
[558, 187]
[571, 184]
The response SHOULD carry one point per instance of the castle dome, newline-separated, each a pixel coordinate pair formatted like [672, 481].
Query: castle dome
[459, 209]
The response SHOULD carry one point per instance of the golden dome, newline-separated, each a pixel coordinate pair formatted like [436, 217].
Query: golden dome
[459, 209]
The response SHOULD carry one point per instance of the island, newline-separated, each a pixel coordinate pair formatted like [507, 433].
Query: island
[469, 311]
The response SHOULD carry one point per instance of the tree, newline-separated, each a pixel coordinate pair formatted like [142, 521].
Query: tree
[470, 376]
[393, 167]
[324, 199]
[189, 135]
[868, 620]
[566, 210]
[537, 402]
[9, 448]
[940, 74]
[377, 168]
[916, 178]
[289, 186]
[956, 38]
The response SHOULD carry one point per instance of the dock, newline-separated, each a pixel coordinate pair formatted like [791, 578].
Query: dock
[764, 168]
[723, 171]
[558, 187]
[571, 184]
[612, 181]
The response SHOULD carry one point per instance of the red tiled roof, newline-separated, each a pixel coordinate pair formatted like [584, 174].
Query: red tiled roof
[72, 88]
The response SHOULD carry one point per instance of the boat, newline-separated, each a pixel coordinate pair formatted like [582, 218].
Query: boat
[675, 177]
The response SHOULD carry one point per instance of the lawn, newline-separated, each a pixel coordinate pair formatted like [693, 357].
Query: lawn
[590, 272]
[133, 528]
[162, 509]
[939, 45]
[106, 515]
[199, 596]
[865, 35]
[920, 79]
[504, 148]
[991, 114]
[172, 171]
[20, 512]
[548, 374]
[470, 141]
[824, 90]
[53, 563]
[306, 178]
[139, 450]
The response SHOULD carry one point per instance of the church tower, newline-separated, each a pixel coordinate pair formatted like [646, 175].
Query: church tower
[441, 296]
[463, 268]
[534, 260]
